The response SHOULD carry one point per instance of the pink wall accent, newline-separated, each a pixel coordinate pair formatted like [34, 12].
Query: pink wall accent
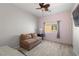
[65, 27]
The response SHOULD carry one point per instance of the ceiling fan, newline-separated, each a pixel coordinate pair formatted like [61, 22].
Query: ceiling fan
[44, 7]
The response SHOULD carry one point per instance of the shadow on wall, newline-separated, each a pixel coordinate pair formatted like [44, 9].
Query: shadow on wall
[12, 41]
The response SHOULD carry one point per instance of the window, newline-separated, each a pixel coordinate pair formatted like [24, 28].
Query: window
[50, 27]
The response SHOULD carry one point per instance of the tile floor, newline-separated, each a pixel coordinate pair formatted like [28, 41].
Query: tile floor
[47, 48]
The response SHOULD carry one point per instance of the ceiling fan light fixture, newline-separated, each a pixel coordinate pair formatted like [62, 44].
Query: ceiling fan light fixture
[44, 7]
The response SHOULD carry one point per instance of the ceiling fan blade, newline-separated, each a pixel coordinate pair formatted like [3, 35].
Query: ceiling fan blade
[44, 7]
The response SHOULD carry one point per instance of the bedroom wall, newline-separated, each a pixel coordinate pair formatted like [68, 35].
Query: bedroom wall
[65, 27]
[13, 22]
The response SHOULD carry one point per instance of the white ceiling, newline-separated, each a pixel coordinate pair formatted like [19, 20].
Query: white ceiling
[54, 8]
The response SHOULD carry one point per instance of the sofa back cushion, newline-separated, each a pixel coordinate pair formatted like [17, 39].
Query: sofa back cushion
[28, 36]
[34, 35]
[25, 36]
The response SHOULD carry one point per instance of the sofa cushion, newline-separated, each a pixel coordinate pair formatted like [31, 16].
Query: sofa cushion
[30, 40]
[38, 38]
[28, 36]
[34, 35]
[25, 36]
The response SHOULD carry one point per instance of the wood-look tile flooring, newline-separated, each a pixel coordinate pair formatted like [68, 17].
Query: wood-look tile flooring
[47, 48]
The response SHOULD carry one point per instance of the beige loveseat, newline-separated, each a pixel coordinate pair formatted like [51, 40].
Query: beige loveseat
[28, 41]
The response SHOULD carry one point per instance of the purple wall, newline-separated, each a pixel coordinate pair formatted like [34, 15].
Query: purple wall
[65, 27]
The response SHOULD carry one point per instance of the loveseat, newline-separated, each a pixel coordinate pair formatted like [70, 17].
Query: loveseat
[29, 41]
